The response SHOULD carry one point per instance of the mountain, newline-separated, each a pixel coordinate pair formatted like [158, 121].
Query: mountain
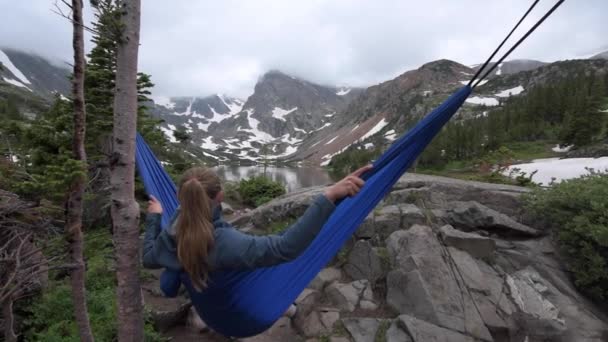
[511, 67]
[385, 111]
[281, 113]
[601, 55]
[33, 73]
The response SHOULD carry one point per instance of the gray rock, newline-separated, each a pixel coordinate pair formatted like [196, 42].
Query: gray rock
[538, 315]
[368, 305]
[387, 220]
[362, 329]
[281, 330]
[472, 216]
[363, 262]
[422, 331]
[338, 339]
[367, 229]
[469, 270]
[346, 296]
[317, 322]
[424, 285]
[437, 192]
[227, 209]
[411, 215]
[306, 302]
[474, 244]
[326, 276]
[396, 334]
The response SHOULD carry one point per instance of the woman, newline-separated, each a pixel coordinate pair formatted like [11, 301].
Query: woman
[199, 240]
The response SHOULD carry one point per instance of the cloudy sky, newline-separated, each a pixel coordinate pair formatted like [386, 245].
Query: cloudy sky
[203, 47]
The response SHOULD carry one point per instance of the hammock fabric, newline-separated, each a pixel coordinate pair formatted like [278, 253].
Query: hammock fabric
[242, 304]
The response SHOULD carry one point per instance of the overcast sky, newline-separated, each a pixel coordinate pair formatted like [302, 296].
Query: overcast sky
[203, 47]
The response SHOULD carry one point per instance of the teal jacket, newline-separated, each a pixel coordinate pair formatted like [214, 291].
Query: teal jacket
[234, 249]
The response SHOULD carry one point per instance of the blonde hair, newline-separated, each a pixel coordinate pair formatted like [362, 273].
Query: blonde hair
[194, 226]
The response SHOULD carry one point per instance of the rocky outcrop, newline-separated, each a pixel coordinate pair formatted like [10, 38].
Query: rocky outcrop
[438, 260]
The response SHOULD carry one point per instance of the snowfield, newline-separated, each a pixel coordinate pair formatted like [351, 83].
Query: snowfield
[486, 101]
[6, 62]
[510, 92]
[280, 113]
[560, 169]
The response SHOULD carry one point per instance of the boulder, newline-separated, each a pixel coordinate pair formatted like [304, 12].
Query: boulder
[346, 296]
[396, 334]
[474, 244]
[317, 322]
[367, 229]
[227, 209]
[326, 276]
[422, 331]
[281, 330]
[363, 262]
[537, 315]
[437, 192]
[362, 329]
[423, 285]
[470, 216]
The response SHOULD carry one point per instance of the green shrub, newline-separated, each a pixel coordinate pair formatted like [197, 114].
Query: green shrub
[578, 209]
[50, 316]
[259, 190]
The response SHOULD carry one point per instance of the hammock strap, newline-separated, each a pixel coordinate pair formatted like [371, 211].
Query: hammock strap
[520, 41]
[503, 43]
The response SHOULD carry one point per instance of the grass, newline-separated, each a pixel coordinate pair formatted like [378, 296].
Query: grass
[466, 169]
[50, 315]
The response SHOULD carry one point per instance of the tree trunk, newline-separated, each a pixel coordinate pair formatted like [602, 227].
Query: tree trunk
[125, 211]
[9, 321]
[75, 207]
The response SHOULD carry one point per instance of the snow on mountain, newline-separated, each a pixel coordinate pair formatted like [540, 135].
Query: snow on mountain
[343, 91]
[6, 62]
[486, 101]
[510, 92]
[15, 83]
[280, 113]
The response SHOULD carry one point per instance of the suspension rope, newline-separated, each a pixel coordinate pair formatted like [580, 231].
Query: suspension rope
[503, 43]
[520, 41]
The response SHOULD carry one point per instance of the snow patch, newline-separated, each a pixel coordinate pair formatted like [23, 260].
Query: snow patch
[332, 140]
[300, 130]
[486, 101]
[235, 106]
[330, 115]
[560, 169]
[556, 148]
[6, 62]
[343, 91]
[280, 113]
[169, 133]
[499, 69]
[209, 144]
[354, 128]
[289, 140]
[253, 123]
[379, 126]
[510, 92]
[164, 101]
[390, 135]
[15, 83]
[368, 146]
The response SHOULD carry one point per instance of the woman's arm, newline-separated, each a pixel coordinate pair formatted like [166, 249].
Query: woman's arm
[153, 219]
[238, 250]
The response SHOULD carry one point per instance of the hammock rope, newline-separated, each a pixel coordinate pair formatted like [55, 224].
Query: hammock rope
[245, 303]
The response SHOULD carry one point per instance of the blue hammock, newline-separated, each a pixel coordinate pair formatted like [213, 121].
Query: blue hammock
[242, 304]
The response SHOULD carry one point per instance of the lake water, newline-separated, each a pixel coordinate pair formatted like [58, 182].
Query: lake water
[293, 178]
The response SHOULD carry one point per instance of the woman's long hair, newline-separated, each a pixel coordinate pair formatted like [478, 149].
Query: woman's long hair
[194, 227]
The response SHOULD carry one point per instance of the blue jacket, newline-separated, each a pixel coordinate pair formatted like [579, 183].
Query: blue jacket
[233, 250]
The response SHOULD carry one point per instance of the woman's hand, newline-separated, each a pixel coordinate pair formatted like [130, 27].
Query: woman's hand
[349, 186]
[154, 206]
